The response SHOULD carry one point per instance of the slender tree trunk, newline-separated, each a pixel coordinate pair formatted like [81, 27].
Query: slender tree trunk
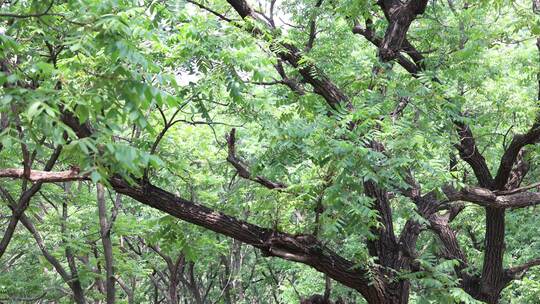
[173, 295]
[78, 295]
[98, 281]
[105, 229]
[236, 265]
[75, 283]
[130, 291]
[175, 271]
[156, 291]
[226, 281]
[8, 234]
[19, 207]
[192, 284]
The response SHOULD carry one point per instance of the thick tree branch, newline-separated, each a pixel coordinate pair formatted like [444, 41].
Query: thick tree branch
[45, 176]
[511, 154]
[242, 8]
[400, 16]
[487, 198]
[298, 248]
[518, 172]
[370, 35]
[305, 249]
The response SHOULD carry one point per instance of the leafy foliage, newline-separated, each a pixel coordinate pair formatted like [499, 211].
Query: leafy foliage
[159, 84]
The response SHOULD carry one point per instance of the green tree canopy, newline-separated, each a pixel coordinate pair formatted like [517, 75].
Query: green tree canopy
[251, 151]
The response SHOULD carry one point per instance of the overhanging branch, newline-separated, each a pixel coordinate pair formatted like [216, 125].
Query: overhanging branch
[45, 176]
[487, 198]
[304, 249]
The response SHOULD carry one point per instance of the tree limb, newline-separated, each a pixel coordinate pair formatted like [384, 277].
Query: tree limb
[517, 272]
[45, 12]
[45, 176]
[487, 198]
[468, 151]
[243, 169]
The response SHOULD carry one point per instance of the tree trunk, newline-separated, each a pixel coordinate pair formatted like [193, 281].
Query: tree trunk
[105, 231]
[192, 284]
[74, 282]
[173, 294]
[493, 272]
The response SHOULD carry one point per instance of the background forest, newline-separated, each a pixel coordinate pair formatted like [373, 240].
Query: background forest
[269, 151]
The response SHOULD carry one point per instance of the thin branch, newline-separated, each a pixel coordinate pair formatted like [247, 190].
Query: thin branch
[517, 190]
[29, 15]
[243, 169]
[206, 8]
[313, 27]
[518, 272]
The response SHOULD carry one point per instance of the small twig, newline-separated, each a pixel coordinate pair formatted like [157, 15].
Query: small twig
[29, 15]
[243, 169]
[213, 12]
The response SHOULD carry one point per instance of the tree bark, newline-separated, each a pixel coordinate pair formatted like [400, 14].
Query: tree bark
[78, 292]
[105, 231]
[492, 273]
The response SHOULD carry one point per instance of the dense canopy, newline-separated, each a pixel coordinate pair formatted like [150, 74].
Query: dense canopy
[269, 151]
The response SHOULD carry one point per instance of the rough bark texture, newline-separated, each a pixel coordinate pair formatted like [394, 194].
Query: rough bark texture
[400, 16]
[299, 248]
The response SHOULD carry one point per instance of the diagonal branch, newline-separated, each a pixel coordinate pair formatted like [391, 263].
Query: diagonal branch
[517, 272]
[243, 169]
[206, 8]
[469, 152]
[289, 53]
[24, 200]
[519, 171]
[305, 249]
[370, 35]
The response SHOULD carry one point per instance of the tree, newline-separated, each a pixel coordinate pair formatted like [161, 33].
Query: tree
[389, 146]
